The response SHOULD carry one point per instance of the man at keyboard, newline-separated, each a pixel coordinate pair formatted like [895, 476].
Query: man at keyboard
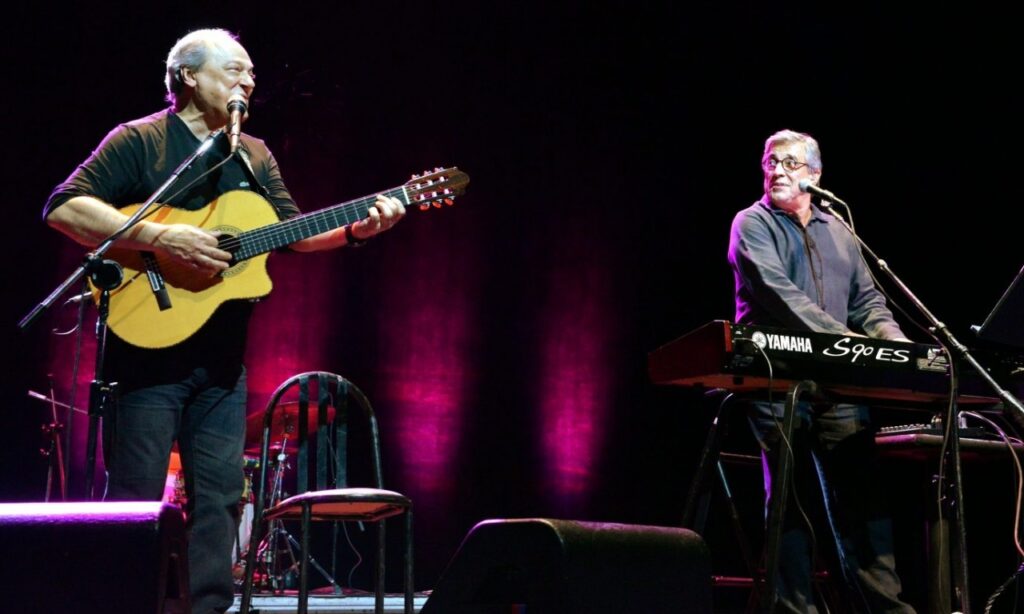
[796, 267]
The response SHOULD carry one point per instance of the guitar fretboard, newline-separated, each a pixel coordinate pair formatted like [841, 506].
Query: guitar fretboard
[268, 238]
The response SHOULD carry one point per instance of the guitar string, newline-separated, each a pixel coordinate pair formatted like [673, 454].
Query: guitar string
[303, 222]
[307, 220]
[262, 238]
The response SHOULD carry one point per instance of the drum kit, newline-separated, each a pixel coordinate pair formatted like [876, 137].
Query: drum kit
[277, 563]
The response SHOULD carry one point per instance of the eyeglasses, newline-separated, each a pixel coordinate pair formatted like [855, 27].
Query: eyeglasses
[788, 164]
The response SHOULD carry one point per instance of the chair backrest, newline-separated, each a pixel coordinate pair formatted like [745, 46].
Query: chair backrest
[324, 391]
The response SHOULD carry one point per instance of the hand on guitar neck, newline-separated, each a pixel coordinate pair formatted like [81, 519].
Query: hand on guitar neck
[385, 212]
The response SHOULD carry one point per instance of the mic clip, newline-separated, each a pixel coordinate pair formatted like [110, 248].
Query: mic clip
[156, 281]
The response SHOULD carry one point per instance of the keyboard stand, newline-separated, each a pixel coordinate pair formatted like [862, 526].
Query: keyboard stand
[698, 500]
[925, 447]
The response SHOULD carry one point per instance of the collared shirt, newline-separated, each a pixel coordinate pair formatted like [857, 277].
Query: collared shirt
[804, 278]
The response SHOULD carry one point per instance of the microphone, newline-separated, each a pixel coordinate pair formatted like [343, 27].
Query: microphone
[810, 188]
[236, 110]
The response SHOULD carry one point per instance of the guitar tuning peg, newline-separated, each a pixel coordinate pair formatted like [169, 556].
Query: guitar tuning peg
[438, 169]
[449, 201]
[424, 206]
[415, 176]
[436, 203]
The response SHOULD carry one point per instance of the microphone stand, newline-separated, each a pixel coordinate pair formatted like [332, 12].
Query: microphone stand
[958, 352]
[106, 275]
[54, 452]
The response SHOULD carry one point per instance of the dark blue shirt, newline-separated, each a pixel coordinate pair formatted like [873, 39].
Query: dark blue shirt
[804, 278]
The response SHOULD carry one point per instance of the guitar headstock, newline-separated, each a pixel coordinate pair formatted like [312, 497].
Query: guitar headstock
[437, 187]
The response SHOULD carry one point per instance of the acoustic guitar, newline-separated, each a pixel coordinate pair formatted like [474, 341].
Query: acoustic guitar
[251, 230]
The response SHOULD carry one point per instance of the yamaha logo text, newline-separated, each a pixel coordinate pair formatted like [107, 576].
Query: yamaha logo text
[786, 343]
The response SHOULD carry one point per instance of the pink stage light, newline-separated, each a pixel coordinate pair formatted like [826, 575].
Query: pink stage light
[576, 375]
[290, 330]
[426, 326]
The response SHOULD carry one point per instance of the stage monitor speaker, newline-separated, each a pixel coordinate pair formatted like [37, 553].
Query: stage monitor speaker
[93, 557]
[543, 566]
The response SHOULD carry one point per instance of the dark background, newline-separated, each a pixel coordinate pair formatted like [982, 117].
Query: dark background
[609, 147]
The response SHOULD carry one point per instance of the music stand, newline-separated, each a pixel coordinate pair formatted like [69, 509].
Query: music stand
[1003, 324]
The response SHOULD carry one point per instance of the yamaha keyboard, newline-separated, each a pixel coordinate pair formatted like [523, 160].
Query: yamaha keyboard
[736, 357]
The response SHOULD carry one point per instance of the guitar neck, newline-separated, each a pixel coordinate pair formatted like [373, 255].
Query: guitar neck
[268, 238]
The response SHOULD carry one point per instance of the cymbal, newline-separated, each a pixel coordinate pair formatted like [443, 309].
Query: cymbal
[285, 426]
[253, 451]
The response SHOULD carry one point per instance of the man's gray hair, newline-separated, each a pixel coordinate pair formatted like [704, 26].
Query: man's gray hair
[790, 136]
[191, 51]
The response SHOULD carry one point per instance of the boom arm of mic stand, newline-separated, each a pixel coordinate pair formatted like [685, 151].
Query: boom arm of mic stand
[98, 253]
[945, 335]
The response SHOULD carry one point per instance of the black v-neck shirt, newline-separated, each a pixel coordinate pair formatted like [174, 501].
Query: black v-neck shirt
[134, 160]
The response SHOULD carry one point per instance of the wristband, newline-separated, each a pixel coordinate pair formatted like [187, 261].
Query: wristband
[350, 237]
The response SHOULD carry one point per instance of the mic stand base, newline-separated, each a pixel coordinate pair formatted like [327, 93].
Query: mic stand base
[55, 460]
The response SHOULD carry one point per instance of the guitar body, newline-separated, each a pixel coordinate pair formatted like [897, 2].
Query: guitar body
[134, 314]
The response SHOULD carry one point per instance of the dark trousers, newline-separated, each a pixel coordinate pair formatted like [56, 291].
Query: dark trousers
[834, 454]
[206, 415]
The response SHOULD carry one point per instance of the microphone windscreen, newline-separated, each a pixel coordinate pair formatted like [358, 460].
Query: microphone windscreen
[237, 103]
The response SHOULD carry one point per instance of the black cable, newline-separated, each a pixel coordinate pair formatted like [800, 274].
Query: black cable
[788, 449]
[1002, 587]
[76, 361]
[180, 190]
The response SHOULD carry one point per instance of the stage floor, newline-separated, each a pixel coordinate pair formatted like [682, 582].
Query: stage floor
[324, 604]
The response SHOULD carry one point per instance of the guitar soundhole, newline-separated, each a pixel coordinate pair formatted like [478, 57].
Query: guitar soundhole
[229, 243]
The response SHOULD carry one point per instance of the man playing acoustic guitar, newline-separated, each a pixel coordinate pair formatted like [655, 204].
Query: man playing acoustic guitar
[192, 391]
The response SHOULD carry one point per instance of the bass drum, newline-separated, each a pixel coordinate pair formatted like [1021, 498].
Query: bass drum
[246, 511]
[174, 494]
[174, 486]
